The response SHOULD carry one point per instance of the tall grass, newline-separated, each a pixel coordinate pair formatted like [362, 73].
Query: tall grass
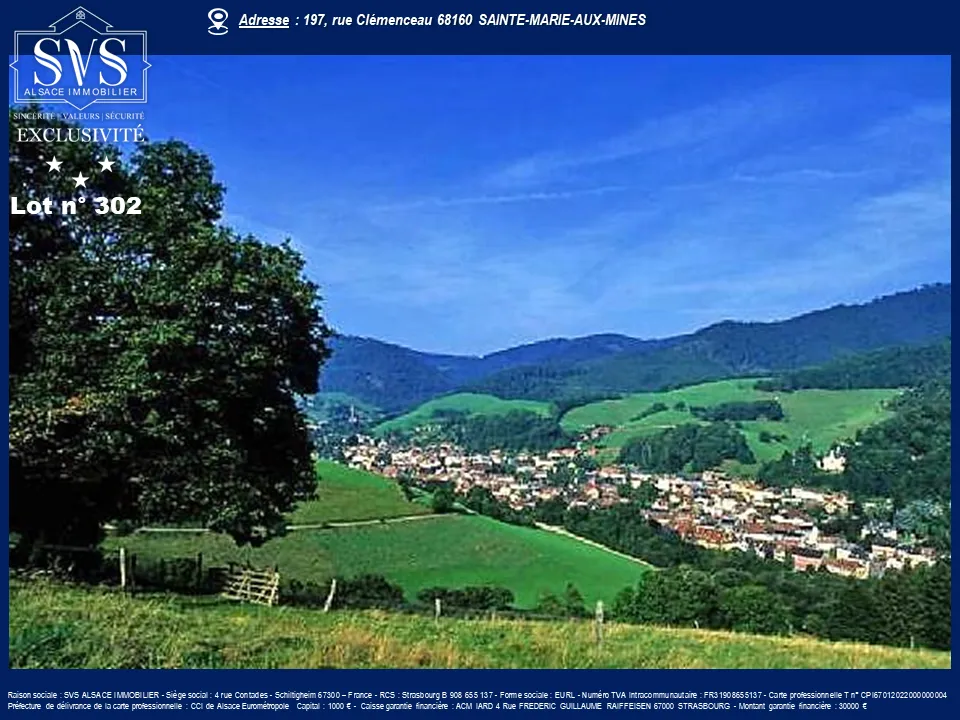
[59, 626]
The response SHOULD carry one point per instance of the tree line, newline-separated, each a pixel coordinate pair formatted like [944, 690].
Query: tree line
[901, 609]
[896, 367]
[365, 592]
[740, 411]
[734, 590]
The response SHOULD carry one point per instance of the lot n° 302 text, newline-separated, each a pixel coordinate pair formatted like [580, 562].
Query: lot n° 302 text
[100, 205]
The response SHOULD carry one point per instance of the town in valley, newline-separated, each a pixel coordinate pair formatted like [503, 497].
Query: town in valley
[710, 509]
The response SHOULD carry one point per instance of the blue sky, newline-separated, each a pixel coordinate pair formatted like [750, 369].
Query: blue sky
[469, 204]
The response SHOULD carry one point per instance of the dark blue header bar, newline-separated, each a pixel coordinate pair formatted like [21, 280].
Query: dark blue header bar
[515, 26]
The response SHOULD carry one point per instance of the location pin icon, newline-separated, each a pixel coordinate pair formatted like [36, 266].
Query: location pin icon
[218, 16]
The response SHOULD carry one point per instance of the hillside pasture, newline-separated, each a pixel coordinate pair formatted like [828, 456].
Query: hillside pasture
[818, 417]
[620, 413]
[469, 403]
[447, 551]
[345, 494]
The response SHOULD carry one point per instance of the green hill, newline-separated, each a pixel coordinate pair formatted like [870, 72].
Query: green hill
[414, 549]
[57, 626]
[445, 551]
[470, 403]
[815, 416]
[346, 494]
[818, 417]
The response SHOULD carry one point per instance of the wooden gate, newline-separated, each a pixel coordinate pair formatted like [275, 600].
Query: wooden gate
[251, 585]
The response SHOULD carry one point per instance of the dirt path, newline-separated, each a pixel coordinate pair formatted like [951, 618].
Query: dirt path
[310, 526]
[566, 533]
[407, 518]
[358, 523]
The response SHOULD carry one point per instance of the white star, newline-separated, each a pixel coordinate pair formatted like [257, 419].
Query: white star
[54, 164]
[106, 165]
[80, 180]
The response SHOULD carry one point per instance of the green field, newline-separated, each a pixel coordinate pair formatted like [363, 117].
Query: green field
[449, 551]
[57, 626]
[345, 494]
[819, 417]
[446, 551]
[471, 403]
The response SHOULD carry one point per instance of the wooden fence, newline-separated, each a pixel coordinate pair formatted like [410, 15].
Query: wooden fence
[251, 585]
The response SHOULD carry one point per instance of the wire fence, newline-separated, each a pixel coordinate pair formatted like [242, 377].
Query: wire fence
[130, 571]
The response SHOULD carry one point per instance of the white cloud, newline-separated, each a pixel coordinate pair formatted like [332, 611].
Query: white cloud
[735, 120]
[439, 202]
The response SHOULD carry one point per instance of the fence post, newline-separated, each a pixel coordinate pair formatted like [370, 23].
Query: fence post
[199, 571]
[911, 642]
[436, 609]
[329, 602]
[274, 590]
[133, 572]
[599, 622]
[123, 569]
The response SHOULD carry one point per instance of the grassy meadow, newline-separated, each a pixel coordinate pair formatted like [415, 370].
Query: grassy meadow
[409, 546]
[819, 417]
[447, 551]
[471, 403]
[60, 626]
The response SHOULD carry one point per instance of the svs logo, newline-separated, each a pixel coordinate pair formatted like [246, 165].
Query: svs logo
[80, 61]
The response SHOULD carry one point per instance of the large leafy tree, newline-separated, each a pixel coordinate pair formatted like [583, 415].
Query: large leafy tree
[156, 358]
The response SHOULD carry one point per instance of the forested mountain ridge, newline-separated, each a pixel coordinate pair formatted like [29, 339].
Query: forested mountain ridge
[388, 376]
[901, 366]
[907, 318]
[731, 349]
[395, 378]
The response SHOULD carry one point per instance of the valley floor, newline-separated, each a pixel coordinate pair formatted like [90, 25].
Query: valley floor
[63, 626]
